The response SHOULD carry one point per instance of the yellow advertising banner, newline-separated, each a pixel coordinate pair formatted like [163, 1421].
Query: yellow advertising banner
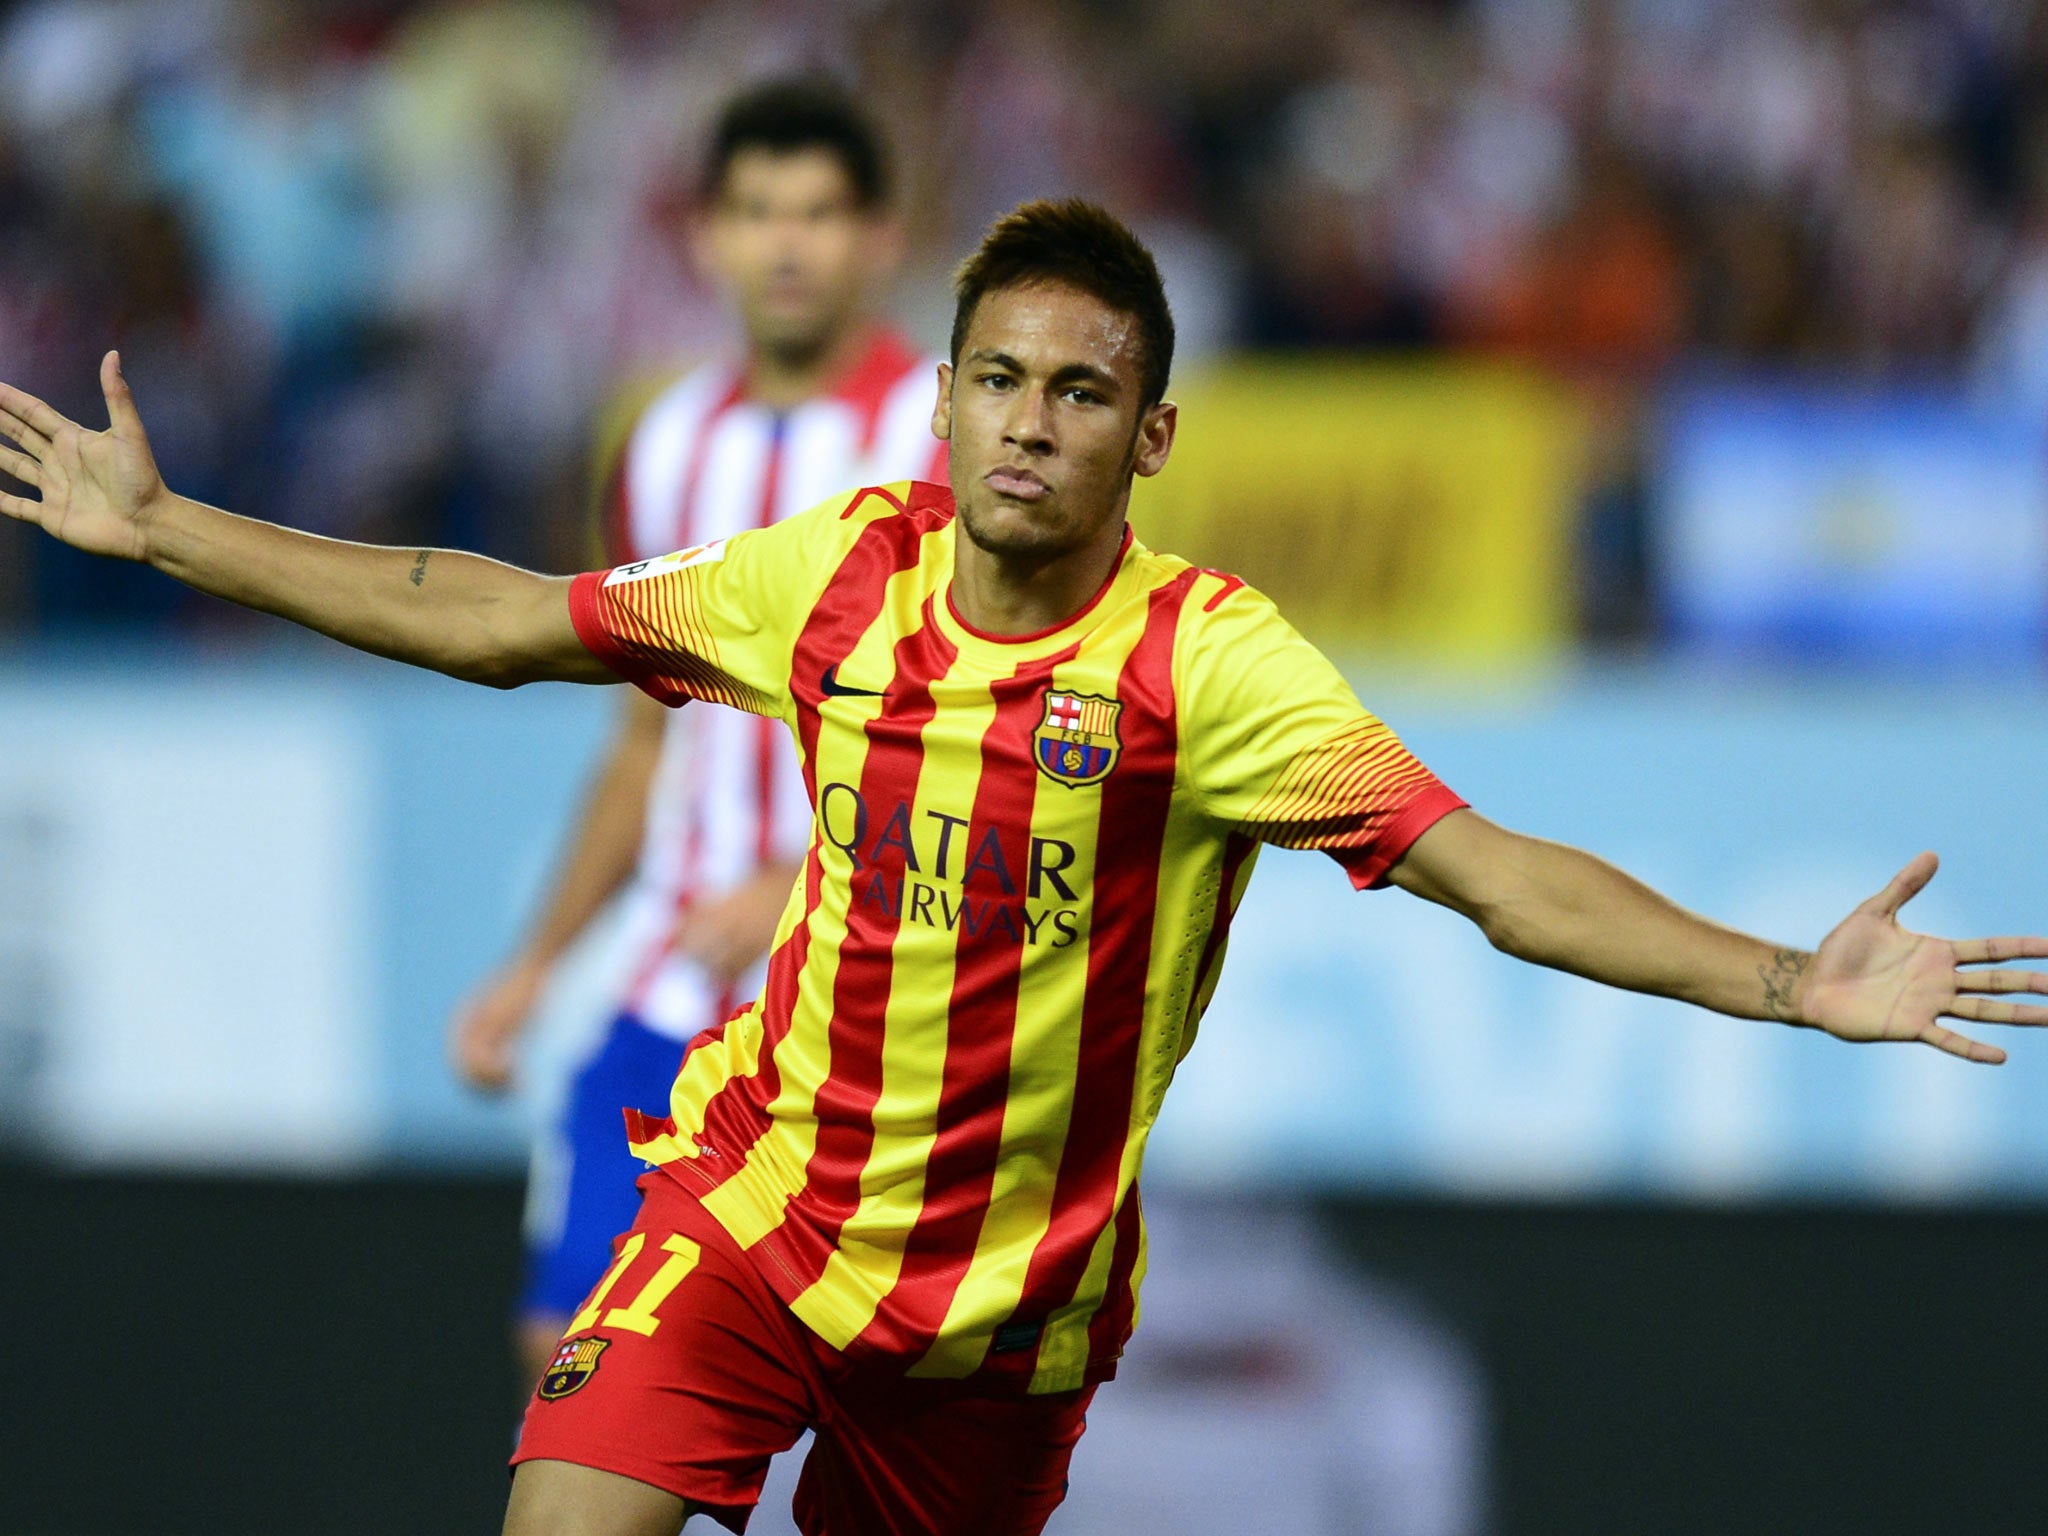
[1422, 508]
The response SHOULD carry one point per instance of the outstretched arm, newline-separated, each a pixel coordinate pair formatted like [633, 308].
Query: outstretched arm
[1871, 979]
[461, 614]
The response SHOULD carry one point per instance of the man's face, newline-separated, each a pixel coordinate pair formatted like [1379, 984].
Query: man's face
[1046, 419]
[794, 247]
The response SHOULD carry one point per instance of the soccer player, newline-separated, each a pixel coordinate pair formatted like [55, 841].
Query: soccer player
[704, 811]
[896, 1195]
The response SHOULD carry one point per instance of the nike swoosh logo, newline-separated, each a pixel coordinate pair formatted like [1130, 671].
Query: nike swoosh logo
[834, 689]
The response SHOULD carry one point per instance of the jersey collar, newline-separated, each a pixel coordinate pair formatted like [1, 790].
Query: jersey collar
[1077, 623]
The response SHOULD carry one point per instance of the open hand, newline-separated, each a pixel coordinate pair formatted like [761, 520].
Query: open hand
[727, 935]
[483, 1038]
[97, 489]
[1873, 980]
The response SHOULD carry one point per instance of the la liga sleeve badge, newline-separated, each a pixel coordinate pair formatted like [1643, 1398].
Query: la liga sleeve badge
[1077, 741]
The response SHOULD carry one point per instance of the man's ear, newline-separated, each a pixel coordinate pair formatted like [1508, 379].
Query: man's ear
[1155, 438]
[942, 408]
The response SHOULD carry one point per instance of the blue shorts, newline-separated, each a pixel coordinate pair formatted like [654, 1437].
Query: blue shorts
[590, 1173]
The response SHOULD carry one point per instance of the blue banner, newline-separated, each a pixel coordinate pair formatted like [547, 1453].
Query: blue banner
[1799, 521]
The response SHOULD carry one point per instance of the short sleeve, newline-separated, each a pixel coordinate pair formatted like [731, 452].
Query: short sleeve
[717, 622]
[1279, 747]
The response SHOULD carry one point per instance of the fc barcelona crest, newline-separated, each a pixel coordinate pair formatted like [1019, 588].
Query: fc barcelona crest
[574, 1364]
[1076, 743]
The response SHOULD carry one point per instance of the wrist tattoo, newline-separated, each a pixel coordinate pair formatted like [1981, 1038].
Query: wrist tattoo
[1780, 977]
[419, 567]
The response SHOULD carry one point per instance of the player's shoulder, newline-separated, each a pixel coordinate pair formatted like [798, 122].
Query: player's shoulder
[888, 392]
[1204, 594]
[888, 362]
[907, 403]
[917, 386]
[914, 506]
[645, 441]
[850, 540]
[676, 406]
[1225, 627]
[900, 511]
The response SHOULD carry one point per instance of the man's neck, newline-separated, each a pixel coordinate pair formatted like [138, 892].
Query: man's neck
[782, 380]
[1001, 595]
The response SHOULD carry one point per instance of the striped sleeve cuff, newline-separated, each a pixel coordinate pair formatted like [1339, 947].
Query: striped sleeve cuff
[1368, 866]
[586, 612]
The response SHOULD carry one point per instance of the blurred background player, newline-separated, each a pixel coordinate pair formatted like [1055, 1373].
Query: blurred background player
[701, 814]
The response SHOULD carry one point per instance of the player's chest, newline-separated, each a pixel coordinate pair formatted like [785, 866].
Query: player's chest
[1050, 748]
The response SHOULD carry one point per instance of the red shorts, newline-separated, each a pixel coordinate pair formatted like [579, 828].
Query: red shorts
[684, 1370]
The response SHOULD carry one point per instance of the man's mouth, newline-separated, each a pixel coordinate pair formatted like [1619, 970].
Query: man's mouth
[1020, 483]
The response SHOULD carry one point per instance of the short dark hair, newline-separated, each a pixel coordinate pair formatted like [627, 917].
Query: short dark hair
[1072, 241]
[800, 112]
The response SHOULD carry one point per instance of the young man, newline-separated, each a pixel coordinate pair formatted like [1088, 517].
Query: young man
[897, 1195]
[705, 812]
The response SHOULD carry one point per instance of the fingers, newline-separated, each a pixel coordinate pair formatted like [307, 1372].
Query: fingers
[486, 1071]
[1905, 885]
[121, 413]
[481, 1050]
[489, 1070]
[30, 411]
[13, 426]
[25, 469]
[1961, 1045]
[21, 508]
[2002, 981]
[1976, 951]
[1979, 1011]
[718, 946]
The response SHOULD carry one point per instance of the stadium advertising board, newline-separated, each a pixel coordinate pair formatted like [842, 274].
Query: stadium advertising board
[184, 910]
[249, 918]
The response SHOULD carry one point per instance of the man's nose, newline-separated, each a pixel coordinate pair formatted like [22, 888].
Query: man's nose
[1029, 426]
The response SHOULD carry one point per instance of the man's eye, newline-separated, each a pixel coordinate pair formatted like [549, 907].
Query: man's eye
[995, 380]
[1082, 396]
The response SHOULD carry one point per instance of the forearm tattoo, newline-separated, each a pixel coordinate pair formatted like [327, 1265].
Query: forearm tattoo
[1780, 976]
[419, 567]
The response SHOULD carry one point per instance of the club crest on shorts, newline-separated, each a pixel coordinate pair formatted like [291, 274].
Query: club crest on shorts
[574, 1364]
[1077, 743]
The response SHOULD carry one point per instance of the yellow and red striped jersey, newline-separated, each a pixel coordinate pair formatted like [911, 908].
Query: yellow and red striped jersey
[1026, 854]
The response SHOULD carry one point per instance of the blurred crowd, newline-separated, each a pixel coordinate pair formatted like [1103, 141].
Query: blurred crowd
[376, 266]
